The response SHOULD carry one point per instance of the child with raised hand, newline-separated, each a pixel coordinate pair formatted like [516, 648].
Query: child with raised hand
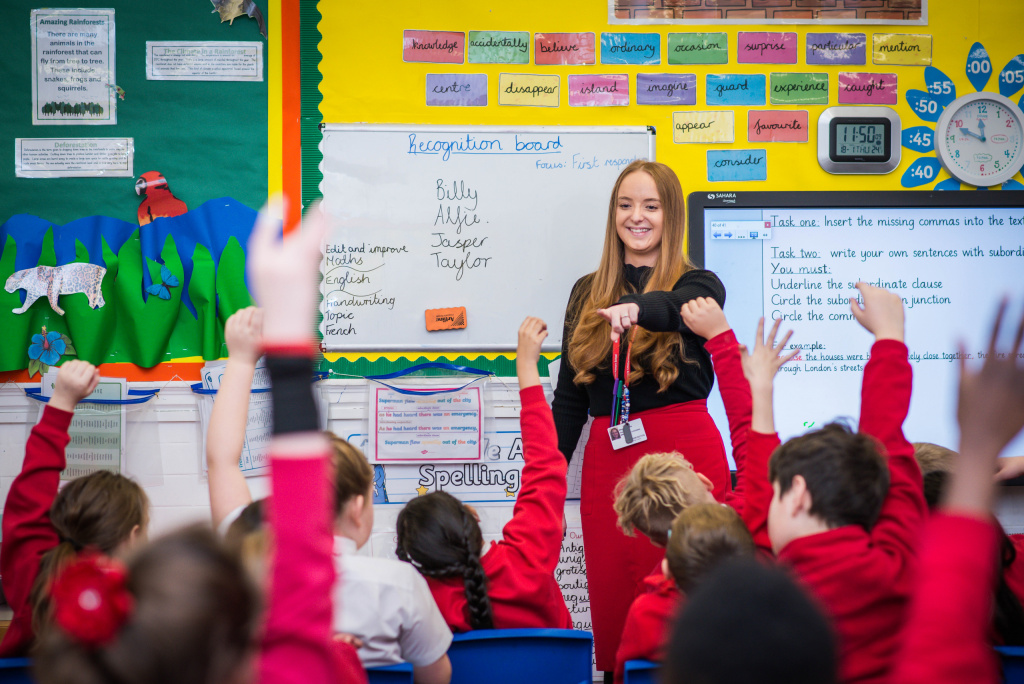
[229, 493]
[848, 506]
[948, 623]
[512, 584]
[661, 486]
[384, 607]
[178, 613]
[43, 530]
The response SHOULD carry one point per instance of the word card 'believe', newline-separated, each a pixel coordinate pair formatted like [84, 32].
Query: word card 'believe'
[564, 48]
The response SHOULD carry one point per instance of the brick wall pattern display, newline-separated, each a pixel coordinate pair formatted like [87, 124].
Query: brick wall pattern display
[770, 11]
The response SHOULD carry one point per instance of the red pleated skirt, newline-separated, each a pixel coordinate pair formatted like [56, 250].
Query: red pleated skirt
[617, 564]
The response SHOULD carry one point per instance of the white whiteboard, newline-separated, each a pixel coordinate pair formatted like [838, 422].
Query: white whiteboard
[951, 265]
[501, 221]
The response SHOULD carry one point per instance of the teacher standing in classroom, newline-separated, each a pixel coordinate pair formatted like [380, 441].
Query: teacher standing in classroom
[634, 297]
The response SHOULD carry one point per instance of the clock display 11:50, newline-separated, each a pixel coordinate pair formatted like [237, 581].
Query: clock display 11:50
[983, 138]
[860, 139]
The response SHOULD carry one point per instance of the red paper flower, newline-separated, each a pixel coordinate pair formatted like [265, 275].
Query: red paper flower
[90, 599]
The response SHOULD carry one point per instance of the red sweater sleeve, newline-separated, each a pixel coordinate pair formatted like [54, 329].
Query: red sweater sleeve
[945, 640]
[27, 531]
[297, 644]
[759, 490]
[735, 391]
[885, 402]
[535, 530]
[753, 491]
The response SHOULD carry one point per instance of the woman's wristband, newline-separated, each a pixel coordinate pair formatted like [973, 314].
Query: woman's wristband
[292, 392]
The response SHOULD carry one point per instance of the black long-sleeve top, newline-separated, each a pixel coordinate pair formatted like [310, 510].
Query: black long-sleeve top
[659, 312]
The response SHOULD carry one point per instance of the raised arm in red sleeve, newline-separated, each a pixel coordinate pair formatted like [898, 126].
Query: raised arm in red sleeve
[27, 531]
[945, 640]
[885, 402]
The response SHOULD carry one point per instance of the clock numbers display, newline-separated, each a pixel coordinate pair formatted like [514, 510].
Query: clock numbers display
[860, 140]
[983, 140]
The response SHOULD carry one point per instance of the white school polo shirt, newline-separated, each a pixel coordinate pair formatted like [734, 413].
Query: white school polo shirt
[387, 604]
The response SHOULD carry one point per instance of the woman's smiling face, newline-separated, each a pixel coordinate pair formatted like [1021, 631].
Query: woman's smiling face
[638, 220]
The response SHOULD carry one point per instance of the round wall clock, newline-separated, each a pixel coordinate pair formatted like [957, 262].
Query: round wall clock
[980, 139]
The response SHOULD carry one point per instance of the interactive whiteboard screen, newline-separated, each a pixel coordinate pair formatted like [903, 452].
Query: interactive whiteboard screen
[480, 226]
[796, 256]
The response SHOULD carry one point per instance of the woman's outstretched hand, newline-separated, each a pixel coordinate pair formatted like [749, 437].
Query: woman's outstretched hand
[621, 316]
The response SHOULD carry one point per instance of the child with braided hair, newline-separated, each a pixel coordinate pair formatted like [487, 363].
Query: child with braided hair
[513, 583]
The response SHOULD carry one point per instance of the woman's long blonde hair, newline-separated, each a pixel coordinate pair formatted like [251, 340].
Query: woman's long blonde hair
[590, 344]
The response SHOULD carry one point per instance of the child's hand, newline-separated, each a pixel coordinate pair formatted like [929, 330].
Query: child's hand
[882, 313]
[991, 406]
[75, 381]
[761, 366]
[1009, 467]
[704, 317]
[532, 333]
[243, 334]
[283, 273]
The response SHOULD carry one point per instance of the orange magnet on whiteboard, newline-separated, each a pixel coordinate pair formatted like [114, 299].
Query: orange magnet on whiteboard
[446, 319]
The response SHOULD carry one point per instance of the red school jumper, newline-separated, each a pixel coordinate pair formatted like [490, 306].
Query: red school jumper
[651, 614]
[27, 531]
[864, 579]
[647, 625]
[946, 639]
[520, 568]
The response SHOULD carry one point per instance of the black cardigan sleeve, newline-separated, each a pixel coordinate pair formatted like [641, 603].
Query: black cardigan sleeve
[659, 311]
[571, 403]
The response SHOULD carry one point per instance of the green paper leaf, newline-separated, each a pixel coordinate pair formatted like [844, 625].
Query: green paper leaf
[69, 349]
[43, 367]
[33, 367]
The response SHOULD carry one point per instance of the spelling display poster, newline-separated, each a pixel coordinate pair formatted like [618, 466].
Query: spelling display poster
[425, 424]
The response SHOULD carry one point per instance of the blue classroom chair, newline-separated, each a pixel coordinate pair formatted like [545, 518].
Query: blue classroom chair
[390, 674]
[641, 672]
[15, 671]
[514, 656]
[1012, 658]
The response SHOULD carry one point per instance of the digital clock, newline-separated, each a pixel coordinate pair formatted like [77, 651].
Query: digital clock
[859, 140]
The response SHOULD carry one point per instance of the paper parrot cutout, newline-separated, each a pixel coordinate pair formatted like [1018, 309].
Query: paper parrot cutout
[158, 202]
[230, 10]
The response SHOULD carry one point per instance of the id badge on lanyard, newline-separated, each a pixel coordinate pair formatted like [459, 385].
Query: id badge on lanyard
[623, 431]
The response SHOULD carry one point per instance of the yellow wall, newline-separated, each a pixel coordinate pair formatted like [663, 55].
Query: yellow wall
[365, 79]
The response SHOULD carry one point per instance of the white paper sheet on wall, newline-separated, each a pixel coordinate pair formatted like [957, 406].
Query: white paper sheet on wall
[97, 431]
[258, 428]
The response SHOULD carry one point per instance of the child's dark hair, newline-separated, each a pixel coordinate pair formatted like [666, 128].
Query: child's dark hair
[750, 622]
[441, 538]
[194, 621]
[702, 537]
[846, 476]
[98, 511]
